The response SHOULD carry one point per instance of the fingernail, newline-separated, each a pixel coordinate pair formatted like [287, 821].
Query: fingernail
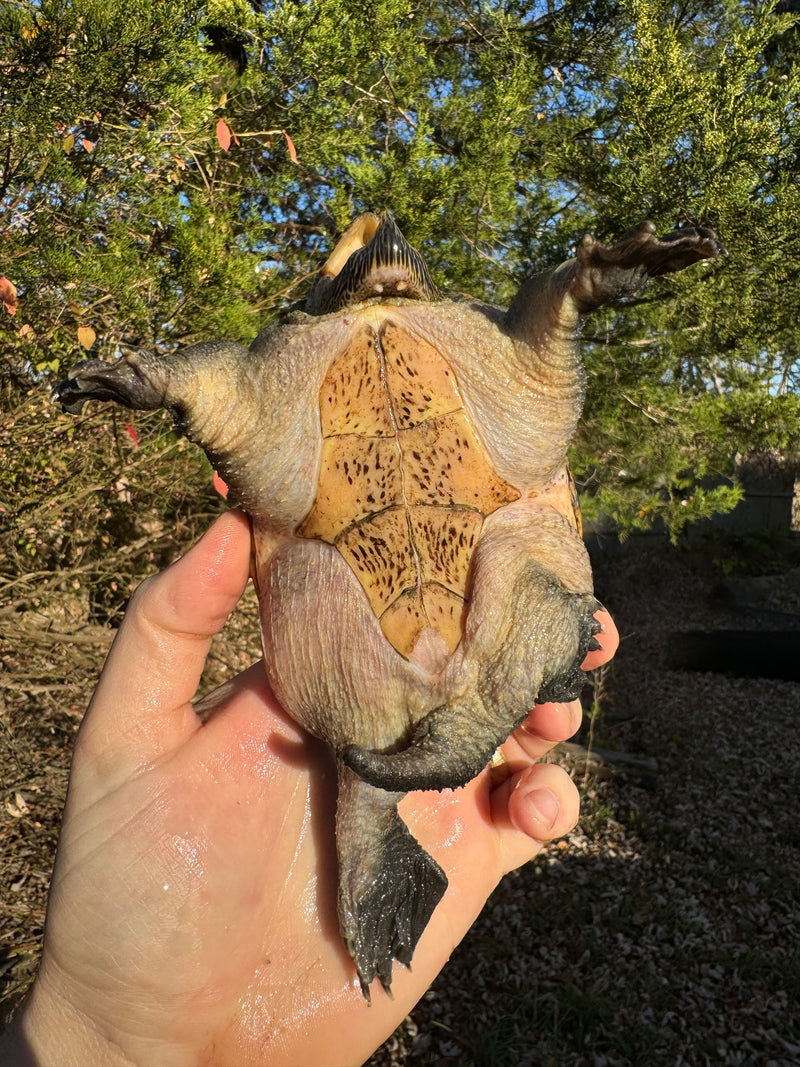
[545, 805]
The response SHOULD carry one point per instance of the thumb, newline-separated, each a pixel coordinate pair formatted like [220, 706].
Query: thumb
[141, 708]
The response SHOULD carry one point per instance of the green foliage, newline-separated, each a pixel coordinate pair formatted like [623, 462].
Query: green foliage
[151, 192]
[754, 553]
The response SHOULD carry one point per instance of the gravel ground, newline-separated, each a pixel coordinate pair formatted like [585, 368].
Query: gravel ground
[664, 930]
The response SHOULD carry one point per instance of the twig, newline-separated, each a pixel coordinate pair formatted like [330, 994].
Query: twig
[598, 684]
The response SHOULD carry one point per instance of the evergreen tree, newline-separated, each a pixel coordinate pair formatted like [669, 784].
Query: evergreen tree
[177, 172]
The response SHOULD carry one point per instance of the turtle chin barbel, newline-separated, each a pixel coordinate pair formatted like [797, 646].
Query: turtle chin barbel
[421, 577]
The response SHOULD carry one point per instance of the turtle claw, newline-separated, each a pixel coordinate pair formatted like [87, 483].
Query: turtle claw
[568, 685]
[595, 629]
[605, 273]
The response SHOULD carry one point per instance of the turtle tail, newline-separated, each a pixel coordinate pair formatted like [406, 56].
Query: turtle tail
[442, 754]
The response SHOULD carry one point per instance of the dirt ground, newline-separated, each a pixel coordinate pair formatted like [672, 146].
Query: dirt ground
[664, 930]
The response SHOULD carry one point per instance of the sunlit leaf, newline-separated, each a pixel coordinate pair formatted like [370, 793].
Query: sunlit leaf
[86, 336]
[223, 135]
[8, 295]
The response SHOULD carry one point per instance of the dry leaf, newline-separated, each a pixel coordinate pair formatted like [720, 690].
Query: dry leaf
[68, 143]
[223, 135]
[8, 295]
[290, 146]
[86, 336]
[87, 144]
[17, 807]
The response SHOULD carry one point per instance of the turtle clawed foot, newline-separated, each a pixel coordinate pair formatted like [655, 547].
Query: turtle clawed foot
[383, 909]
[93, 379]
[568, 684]
[607, 272]
[679, 249]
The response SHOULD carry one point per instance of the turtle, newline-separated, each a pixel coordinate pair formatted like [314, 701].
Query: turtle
[421, 577]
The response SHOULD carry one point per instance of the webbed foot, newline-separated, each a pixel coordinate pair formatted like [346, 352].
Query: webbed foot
[94, 379]
[607, 272]
[388, 884]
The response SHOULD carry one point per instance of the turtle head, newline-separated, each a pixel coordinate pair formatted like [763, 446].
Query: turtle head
[371, 259]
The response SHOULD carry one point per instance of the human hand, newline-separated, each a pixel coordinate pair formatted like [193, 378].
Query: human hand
[192, 913]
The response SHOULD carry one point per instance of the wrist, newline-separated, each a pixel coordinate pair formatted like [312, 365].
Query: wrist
[49, 1032]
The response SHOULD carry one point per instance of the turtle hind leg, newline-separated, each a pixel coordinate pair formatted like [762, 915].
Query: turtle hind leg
[529, 653]
[454, 743]
[388, 884]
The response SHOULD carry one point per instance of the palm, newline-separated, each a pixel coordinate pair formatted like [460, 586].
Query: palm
[192, 915]
[237, 827]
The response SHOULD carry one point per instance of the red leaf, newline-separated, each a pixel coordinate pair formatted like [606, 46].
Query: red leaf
[224, 135]
[8, 295]
[290, 146]
[220, 485]
[87, 144]
[132, 434]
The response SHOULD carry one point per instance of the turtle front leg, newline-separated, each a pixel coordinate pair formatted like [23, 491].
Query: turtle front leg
[548, 308]
[198, 385]
[210, 391]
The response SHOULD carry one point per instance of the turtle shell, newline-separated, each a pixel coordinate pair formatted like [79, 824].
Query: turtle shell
[405, 483]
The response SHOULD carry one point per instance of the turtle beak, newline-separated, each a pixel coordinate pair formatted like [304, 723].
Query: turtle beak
[372, 259]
